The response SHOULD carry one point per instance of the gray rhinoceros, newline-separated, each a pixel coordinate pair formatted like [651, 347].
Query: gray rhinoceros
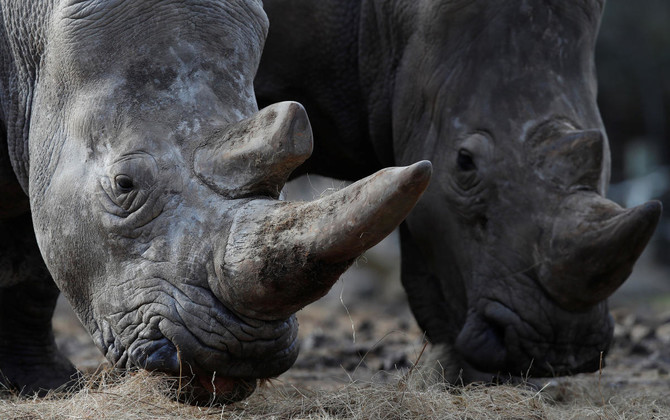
[131, 141]
[510, 255]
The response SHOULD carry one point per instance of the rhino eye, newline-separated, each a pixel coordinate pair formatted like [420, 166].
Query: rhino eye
[124, 183]
[465, 161]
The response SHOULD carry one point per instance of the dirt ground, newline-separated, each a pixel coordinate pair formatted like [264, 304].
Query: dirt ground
[363, 332]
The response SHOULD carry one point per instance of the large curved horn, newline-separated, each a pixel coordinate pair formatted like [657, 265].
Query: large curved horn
[280, 256]
[593, 246]
[256, 156]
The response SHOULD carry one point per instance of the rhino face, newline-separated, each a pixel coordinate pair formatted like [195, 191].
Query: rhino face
[154, 183]
[503, 96]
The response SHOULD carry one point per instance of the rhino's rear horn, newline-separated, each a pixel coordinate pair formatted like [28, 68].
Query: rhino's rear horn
[256, 155]
[281, 256]
[574, 159]
[593, 247]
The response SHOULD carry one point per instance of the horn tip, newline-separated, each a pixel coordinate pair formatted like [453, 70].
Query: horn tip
[419, 174]
[650, 212]
[653, 207]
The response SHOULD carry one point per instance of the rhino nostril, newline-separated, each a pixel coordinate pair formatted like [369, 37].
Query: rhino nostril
[490, 354]
[481, 342]
[497, 333]
[156, 355]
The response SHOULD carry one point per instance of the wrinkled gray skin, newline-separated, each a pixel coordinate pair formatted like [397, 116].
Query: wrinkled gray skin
[133, 146]
[510, 255]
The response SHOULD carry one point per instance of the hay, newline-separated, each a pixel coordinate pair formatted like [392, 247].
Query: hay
[374, 378]
[142, 395]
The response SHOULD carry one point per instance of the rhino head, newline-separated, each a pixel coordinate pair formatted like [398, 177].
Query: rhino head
[154, 186]
[513, 250]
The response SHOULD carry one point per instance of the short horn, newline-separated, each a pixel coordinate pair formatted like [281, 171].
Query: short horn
[281, 256]
[256, 155]
[593, 247]
[575, 158]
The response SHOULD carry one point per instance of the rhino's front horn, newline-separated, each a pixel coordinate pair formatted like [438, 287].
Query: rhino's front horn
[280, 256]
[593, 246]
[256, 156]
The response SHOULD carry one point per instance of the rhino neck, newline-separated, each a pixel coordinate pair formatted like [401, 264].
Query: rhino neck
[321, 71]
[22, 42]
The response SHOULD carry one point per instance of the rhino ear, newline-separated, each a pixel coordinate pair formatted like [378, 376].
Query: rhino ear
[256, 156]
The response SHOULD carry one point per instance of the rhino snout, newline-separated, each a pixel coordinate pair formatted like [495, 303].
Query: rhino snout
[500, 339]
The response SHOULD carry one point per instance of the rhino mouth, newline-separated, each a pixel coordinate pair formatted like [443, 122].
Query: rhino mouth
[203, 382]
[189, 333]
[205, 389]
[496, 340]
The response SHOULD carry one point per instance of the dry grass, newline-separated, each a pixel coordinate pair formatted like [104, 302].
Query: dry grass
[633, 386]
[142, 395]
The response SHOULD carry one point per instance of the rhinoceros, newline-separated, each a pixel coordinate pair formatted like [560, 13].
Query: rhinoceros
[140, 178]
[510, 255]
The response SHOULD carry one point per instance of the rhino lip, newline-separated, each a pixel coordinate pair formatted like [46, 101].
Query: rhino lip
[491, 342]
[206, 389]
[195, 385]
[199, 383]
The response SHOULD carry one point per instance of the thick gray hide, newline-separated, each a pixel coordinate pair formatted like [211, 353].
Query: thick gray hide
[133, 144]
[510, 255]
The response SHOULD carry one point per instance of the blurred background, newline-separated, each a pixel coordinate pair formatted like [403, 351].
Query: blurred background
[633, 64]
